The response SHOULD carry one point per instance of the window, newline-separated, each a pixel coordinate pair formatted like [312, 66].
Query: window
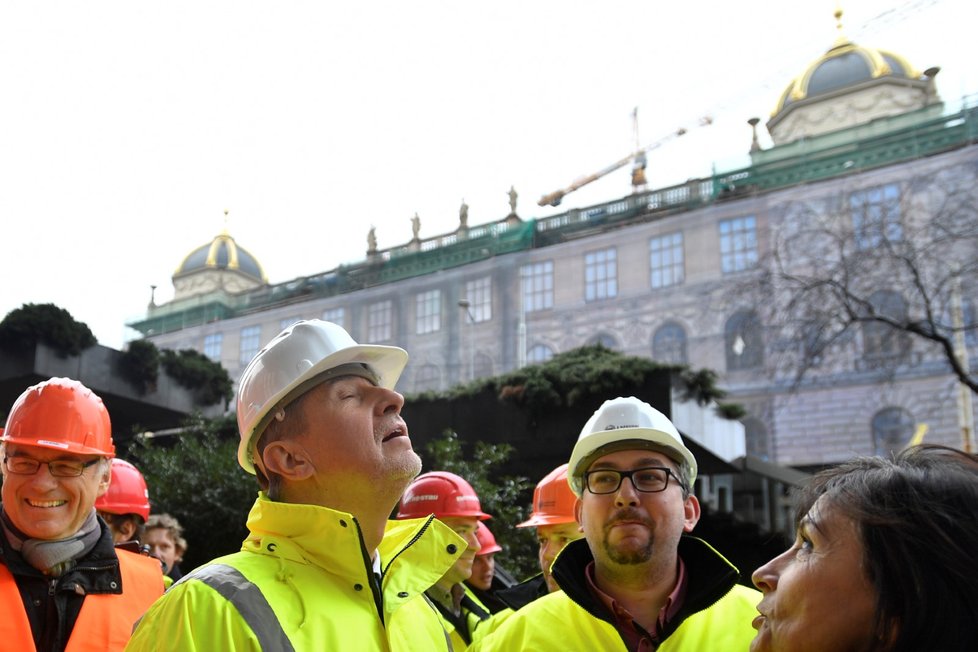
[755, 436]
[427, 378]
[212, 346]
[876, 216]
[666, 260]
[969, 317]
[814, 343]
[250, 341]
[539, 353]
[882, 342]
[380, 319]
[479, 295]
[427, 307]
[601, 274]
[742, 340]
[537, 280]
[892, 430]
[669, 344]
[335, 315]
[738, 244]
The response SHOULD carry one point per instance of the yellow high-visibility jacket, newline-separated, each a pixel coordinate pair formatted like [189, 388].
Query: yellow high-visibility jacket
[716, 614]
[473, 621]
[304, 581]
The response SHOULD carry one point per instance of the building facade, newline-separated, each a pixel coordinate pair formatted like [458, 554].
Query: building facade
[683, 274]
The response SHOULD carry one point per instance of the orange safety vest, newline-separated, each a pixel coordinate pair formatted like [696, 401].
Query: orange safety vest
[105, 621]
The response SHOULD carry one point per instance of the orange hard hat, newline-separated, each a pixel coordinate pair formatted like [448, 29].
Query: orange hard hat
[553, 500]
[61, 414]
[487, 542]
[443, 494]
[127, 492]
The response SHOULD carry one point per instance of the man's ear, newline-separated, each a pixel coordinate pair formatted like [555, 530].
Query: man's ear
[288, 460]
[691, 512]
[106, 479]
[128, 529]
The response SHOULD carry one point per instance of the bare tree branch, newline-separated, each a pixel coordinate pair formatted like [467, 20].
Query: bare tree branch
[868, 278]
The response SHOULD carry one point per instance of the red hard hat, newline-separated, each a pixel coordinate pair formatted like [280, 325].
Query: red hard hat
[487, 542]
[442, 494]
[553, 500]
[127, 492]
[60, 414]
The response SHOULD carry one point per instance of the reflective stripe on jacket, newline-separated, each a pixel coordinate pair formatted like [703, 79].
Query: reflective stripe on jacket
[105, 621]
[303, 581]
[716, 614]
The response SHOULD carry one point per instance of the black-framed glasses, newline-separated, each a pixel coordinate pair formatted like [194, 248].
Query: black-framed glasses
[58, 468]
[649, 479]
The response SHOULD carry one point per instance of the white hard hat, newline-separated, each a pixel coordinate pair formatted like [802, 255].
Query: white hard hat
[626, 424]
[295, 362]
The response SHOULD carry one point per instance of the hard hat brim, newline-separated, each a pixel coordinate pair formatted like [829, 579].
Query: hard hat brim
[76, 449]
[536, 521]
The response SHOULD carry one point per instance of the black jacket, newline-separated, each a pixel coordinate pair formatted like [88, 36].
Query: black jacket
[522, 594]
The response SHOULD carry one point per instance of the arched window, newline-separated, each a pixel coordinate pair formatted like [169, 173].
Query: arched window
[882, 342]
[539, 353]
[743, 341]
[755, 434]
[669, 344]
[427, 378]
[605, 340]
[892, 430]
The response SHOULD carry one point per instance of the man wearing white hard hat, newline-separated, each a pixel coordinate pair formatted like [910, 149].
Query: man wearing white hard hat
[322, 567]
[638, 580]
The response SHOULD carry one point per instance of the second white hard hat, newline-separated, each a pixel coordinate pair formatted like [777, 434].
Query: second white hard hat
[625, 423]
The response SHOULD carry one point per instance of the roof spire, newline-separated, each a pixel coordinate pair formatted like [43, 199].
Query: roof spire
[841, 38]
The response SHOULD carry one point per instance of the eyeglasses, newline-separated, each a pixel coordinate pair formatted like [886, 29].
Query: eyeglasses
[649, 480]
[58, 468]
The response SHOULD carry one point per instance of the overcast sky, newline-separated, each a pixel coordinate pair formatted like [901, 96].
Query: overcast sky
[128, 128]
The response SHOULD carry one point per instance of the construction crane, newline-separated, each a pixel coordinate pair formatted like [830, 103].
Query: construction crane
[637, 157]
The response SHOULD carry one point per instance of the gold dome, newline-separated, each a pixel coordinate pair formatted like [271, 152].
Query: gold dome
[845, 66]
[222, 253]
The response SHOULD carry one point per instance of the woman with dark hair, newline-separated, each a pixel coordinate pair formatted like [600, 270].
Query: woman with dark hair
[884, 559]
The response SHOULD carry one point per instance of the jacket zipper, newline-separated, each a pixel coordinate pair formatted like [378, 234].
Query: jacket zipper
[413, 540]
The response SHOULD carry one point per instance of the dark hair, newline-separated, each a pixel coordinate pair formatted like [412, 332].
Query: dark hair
[917, 517]
[117, 521]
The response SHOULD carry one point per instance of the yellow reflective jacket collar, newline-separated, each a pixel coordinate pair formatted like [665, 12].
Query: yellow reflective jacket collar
[710, 575]
[332, 540]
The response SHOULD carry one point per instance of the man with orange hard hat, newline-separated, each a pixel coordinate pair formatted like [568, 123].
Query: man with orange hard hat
[63, 585]
[553, 517]
[485, 580]
[125, 506]
[453, 501]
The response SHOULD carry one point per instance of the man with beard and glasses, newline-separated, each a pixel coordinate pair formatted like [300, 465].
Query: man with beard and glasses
[637, 581]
